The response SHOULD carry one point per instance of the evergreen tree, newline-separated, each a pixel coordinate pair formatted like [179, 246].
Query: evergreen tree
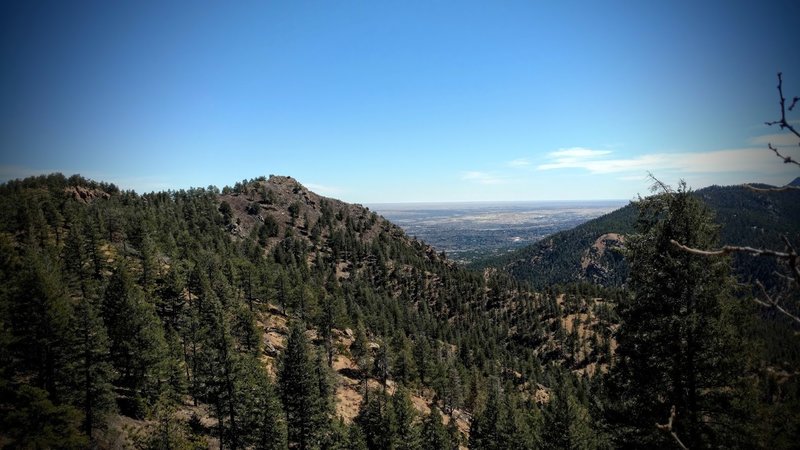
[406, 436]
[567, 423]
[138, 349]
[35, 422]
[88, 370]
[487, 430]
[677, 346]
[39, 315]
[263, 420]
[299, 388]
[376, 420]
[434, 433]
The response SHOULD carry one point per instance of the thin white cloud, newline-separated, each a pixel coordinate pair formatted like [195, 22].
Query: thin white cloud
[596, 161]
[745, 160]
[776, 139]
[519, 163]
[578, 152]
[482, 177]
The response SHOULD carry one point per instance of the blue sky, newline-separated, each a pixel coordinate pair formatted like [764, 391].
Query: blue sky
[399, 101]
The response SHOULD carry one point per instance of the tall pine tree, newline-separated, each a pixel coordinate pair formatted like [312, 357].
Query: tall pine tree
[677, 345]
[299, 385]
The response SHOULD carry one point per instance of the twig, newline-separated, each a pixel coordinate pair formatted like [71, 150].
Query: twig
[658, 184]
[790, 256]
[786, 159]
[773, 303]
[728, 249]
[788, 279]
[783, 123]
[667, 427]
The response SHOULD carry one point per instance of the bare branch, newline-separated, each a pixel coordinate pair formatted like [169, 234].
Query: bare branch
[786, 159]
[667, 427]
[789, 280]
[728, 249]
[782, 122]
[790, 256]
[794, 102]
[658, 184]
[773, 303]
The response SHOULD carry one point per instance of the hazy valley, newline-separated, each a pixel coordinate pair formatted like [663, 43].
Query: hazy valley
[471, 231]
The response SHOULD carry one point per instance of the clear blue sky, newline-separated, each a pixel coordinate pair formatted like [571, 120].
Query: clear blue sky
[374, 101]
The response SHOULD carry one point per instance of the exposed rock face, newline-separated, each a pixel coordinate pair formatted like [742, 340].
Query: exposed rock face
[597, 260]
[84, 194]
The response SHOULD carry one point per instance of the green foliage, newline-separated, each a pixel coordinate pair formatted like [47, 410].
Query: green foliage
[300, 391]
[377, 421]
[181, 287]
[138, 348]
[567, 423]
[434, 433]
[34, 422]
[88, 371]
[406, 431]
[677, 343]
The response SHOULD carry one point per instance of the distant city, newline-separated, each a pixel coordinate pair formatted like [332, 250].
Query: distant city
[468, 232]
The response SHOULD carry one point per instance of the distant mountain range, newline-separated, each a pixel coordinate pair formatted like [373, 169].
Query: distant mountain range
[591, 252]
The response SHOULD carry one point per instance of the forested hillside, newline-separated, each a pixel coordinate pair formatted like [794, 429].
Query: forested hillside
[592, 252]
[191, 317]
[265, 316]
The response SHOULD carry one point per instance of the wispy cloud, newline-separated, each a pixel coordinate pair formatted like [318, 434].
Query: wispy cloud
[519, 163]
[747, 160]
[777, 139]
[482, 177]
[598, 161]
[578, 152]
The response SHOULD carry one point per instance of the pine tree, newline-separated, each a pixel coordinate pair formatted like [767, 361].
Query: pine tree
[33, 421]
[567, 423]
[138, 349]
[676, 343]
[263, 419]
[434, 433]
[406, 436]
[299, 388]
[487, 430]
[39, 322]
[88, 370]
[376, 420]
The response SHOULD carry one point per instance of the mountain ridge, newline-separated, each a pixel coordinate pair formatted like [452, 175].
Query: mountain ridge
[746, 217]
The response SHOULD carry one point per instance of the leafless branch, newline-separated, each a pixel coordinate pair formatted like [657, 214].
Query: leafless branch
[658, 184]
[789, 256]
[773, 303]
[789, 280]
[667, 427]
[728, 249]
[786, 159]
[782, 122]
